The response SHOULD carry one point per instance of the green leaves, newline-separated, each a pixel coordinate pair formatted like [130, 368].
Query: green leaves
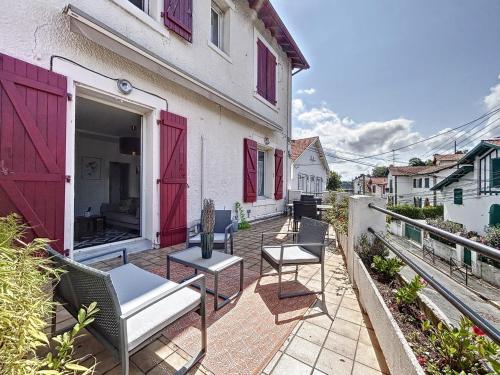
[408, 294]
[388, 267]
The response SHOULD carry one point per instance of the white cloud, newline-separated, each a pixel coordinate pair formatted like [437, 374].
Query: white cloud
[493, 99]
[310, 91]
[344, 137]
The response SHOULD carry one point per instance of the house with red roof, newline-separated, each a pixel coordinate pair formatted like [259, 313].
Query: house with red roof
[309, 167]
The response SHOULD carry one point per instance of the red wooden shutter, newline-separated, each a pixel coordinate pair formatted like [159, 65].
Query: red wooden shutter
[261, 69]
[249, 170]
[179, 17]
[33, 147]
[271, 77]
[173, 181]
[278, 174]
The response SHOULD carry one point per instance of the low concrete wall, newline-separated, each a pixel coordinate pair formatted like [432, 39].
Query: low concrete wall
[396, 228]
[490, 273]
[441, 250]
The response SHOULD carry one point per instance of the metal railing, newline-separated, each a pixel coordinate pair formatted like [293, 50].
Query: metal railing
[493, 253]
[456, 266]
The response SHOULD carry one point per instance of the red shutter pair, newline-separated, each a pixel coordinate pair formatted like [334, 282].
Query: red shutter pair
[266, 72]
[250, 172]
[179, 17]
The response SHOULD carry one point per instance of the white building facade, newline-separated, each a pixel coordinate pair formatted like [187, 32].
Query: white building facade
[202, 92]
[309, 168]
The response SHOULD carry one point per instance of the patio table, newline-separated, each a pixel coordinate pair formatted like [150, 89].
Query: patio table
[191, 257]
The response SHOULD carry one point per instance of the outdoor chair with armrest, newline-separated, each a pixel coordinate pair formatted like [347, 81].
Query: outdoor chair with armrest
[308, 248]
[134, 304]
[223, 232]
[303, 209]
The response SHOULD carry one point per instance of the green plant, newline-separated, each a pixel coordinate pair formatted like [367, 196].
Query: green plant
[492, 236]
[240, 215]
[367, 249]
[387, 267]
[408, 210]
[26, 304]
[338, 215]
[462, 350]
[407, 294]
[334, 182]
[433, 212]
[447, 225]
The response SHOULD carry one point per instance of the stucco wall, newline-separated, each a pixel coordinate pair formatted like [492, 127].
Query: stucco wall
[305, 165]
[44, 31]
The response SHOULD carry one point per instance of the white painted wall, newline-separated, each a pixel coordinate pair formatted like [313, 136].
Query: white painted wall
[305, 164]
[35, 30]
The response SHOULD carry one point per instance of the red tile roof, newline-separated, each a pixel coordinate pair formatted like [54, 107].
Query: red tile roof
[300, 145]
[448, 157]
[378, 180]
[412, 171]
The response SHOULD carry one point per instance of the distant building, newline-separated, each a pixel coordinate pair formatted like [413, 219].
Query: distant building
[360, 185]
[377, 186]
[309, 167]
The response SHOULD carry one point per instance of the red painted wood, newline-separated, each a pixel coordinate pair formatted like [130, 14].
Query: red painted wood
[33, 147]
[249, 170]
[173, 182]
[261, 69]
[278, 174]
[271, 77]
[179, 17]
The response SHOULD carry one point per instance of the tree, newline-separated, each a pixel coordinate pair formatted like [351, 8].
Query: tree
[380, 171]
[416, 162]
[334, 182]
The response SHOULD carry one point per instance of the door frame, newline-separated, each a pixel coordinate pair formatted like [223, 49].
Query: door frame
[84, 83]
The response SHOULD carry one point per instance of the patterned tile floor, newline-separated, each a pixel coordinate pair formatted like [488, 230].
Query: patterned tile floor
[333, 338]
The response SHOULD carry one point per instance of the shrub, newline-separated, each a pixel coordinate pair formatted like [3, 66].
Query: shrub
[408, 210]
[240, 216]
[338, 215]
[433, 212]
[387, 267]
[367, 249]
[407, 294]
[447, 225]
[492, 236]
[26, 306]
[462, 350]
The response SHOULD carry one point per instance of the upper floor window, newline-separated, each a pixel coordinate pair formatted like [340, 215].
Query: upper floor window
[141, 4]
[414, 182]
[495, 173]
[266, 72]
[427, 182]
[457, 196]
[419, 182]
[178, 17]
[216, 25]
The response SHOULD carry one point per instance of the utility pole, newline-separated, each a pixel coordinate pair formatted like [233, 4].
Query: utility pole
[455, 146]
[393, 157]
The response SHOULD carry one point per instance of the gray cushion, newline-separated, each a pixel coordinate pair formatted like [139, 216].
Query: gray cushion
[218, 238]
[291, 255]
[135, 286]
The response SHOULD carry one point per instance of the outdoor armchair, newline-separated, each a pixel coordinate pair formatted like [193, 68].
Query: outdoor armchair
[308, 247]
[134, 305]
[223, 232]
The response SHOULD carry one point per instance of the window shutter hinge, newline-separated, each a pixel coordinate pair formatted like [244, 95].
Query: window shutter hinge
[158, 181]
[157, 234]
[68, 178]
[158, 122]
[162, 14]
[70, 96]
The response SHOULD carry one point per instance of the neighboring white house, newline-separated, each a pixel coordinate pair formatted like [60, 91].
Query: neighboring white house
[132, 112]
[309, 168]
[377, 186]
[471, 194]
[360, 185]
[412, 184]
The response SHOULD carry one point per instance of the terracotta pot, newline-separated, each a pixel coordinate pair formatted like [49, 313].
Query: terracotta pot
[207, 245]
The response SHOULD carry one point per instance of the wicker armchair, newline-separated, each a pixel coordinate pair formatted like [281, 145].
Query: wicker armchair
[308, 248]
[134, 305]
[223, 232]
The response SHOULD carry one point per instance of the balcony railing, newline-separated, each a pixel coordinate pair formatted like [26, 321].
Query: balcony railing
[482, 249]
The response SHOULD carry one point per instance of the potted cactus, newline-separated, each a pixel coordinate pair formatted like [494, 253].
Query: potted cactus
[207, 227]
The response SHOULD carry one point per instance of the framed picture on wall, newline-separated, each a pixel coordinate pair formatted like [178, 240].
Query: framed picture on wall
[91, 168]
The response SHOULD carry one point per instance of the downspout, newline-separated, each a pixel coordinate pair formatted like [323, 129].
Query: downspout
[395, 190]
[288, 127]
[202, 171]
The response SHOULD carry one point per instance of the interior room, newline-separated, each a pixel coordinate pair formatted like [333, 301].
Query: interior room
[107, 174]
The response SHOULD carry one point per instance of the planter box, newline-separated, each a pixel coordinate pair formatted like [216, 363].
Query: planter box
[398, 354]
[341, 241]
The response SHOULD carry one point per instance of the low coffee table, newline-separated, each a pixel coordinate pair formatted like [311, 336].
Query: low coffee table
[219, 261]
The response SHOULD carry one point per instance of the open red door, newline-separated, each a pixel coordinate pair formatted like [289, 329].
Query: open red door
[33, 147]
[173, 181]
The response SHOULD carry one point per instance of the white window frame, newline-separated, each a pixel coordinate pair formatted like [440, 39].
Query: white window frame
[220, 27]
[259, 151]
[223, 8]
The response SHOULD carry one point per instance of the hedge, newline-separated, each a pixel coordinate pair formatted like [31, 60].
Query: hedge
[417, 213]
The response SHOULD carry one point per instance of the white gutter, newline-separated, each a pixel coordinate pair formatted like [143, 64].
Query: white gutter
[96, 31]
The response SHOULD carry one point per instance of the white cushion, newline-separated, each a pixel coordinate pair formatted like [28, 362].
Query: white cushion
[218, 238]
[292, 254]
[135, 286]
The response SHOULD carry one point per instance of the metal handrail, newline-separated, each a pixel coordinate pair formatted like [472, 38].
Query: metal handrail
[479, 321]
[472, 245]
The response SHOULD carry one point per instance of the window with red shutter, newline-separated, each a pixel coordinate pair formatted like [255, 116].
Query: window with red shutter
[178, 17]
[278, 174]
[249, 170]
[266, 73]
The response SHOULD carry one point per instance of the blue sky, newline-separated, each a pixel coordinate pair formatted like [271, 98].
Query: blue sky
[385, 73]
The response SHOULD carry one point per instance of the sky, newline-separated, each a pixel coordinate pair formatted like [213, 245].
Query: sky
[387, 73]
